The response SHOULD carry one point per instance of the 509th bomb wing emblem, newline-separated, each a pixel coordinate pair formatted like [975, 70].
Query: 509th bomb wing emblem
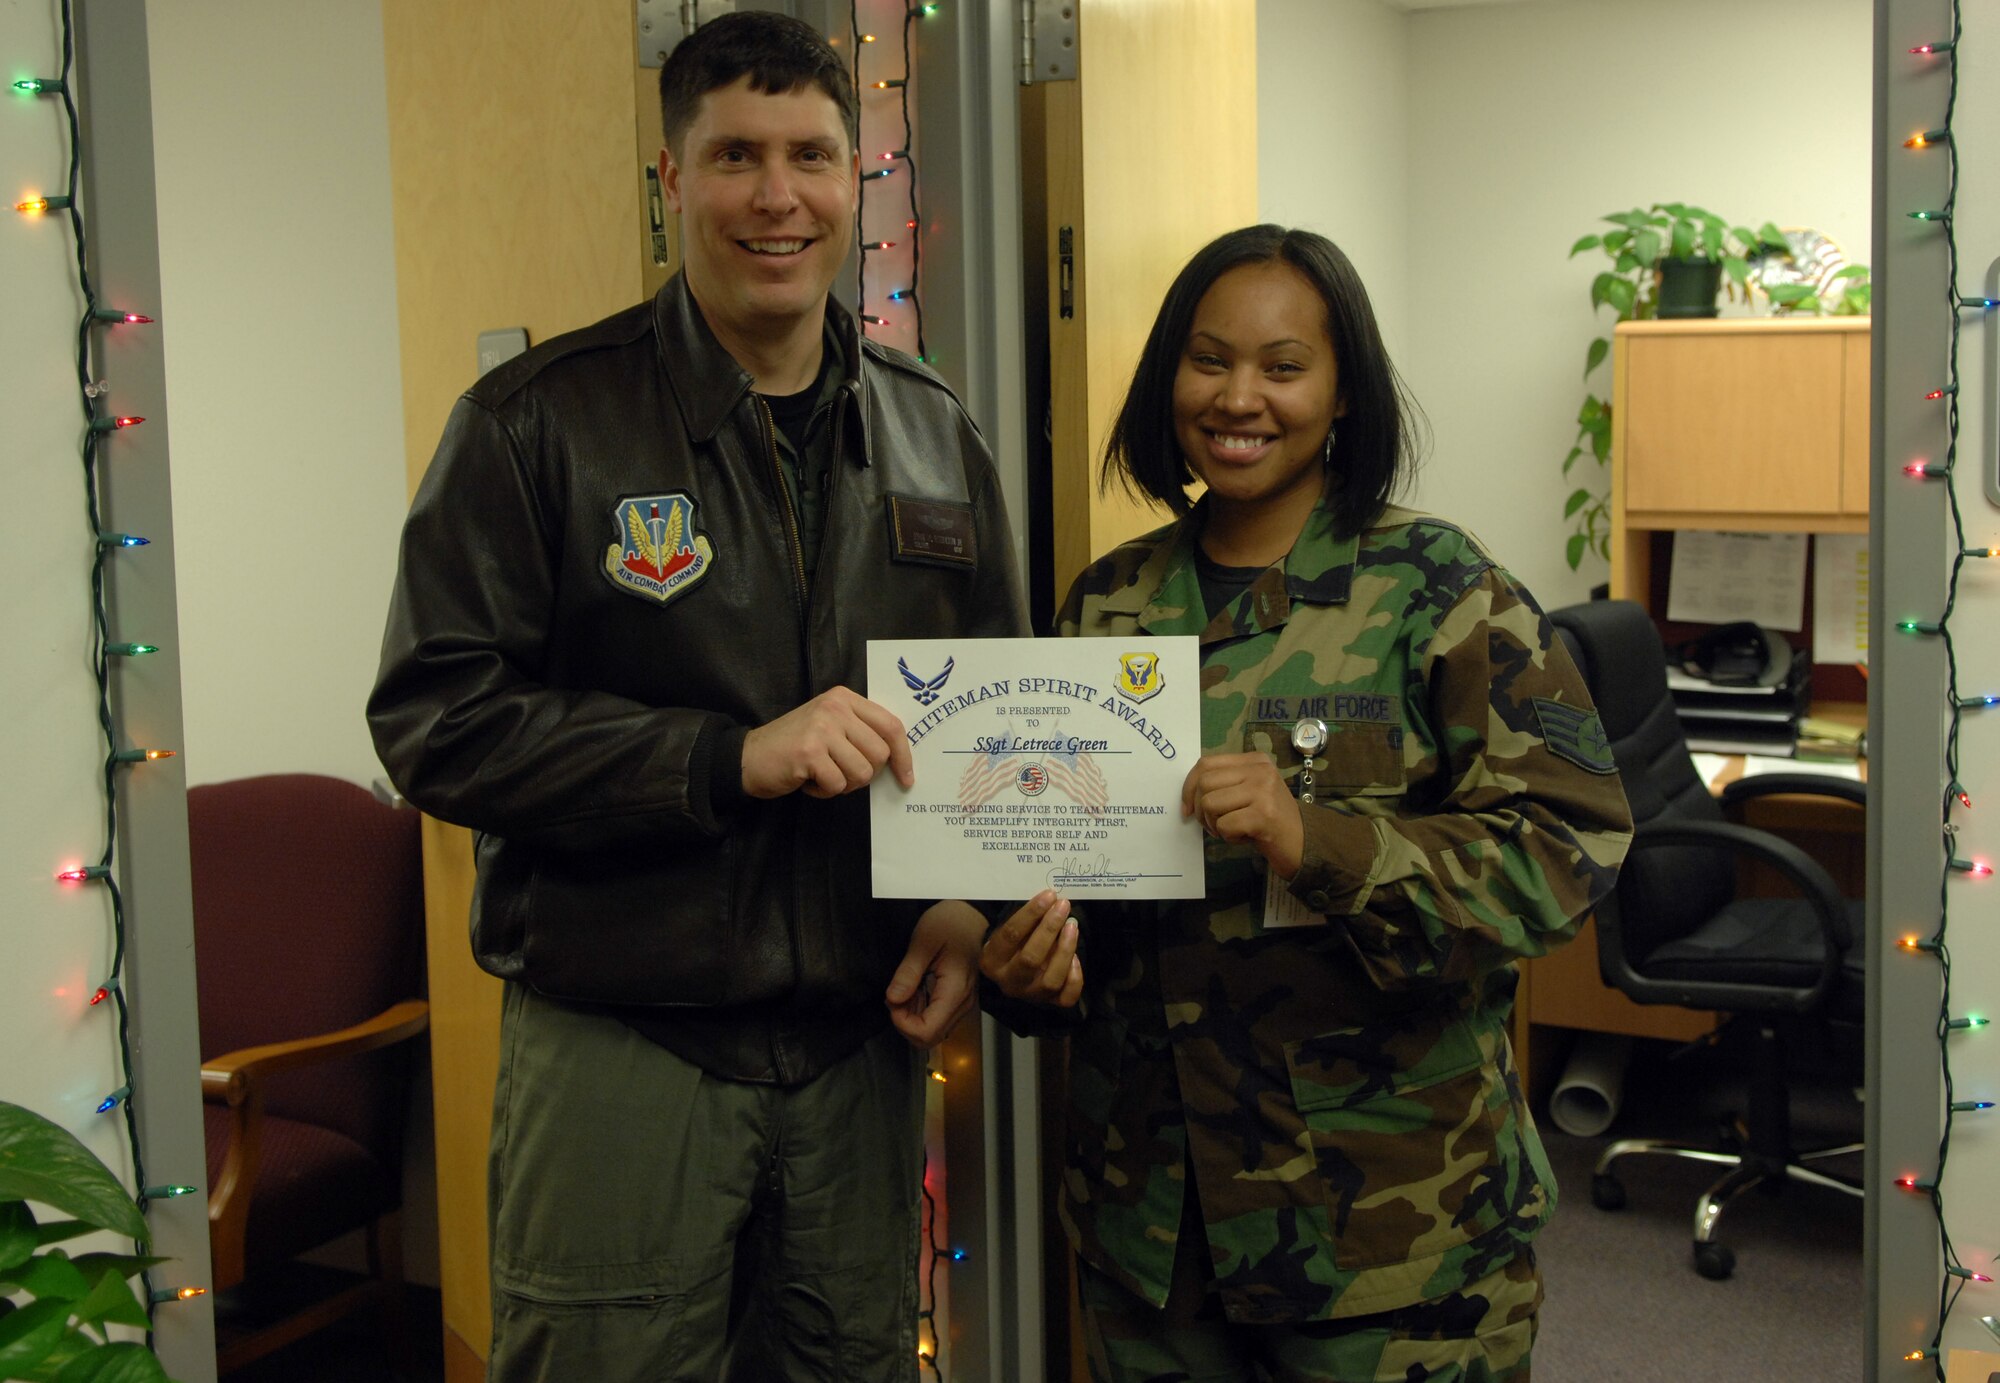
[1139, 676]
[657, 555]
[925, 691]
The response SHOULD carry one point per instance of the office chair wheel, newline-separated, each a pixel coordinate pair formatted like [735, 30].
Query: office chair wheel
[1607, 1192]
[1714, 1261]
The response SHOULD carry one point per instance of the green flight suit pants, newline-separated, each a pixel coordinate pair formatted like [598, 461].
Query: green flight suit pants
[652, 1223]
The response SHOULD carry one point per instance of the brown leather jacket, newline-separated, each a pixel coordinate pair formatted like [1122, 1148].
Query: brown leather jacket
[600, 593]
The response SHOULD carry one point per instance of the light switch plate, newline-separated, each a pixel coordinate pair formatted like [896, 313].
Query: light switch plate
[504, 344]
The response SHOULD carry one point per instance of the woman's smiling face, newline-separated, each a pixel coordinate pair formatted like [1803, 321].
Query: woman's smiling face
[1257, 389]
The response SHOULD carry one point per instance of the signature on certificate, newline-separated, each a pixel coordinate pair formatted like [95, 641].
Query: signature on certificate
[1097, 871]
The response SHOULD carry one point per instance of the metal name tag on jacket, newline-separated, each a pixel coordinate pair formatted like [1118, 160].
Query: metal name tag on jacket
[657, 554]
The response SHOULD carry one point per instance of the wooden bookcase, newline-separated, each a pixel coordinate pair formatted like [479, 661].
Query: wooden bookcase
[1756, 424]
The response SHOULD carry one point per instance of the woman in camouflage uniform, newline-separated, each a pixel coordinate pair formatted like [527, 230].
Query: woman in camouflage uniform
[1297, 1146]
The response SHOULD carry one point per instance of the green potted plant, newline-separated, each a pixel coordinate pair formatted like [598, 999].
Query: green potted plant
[1668, 261]
[62, 1333]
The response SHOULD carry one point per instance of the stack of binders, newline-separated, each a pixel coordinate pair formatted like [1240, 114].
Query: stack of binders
[1735, 719]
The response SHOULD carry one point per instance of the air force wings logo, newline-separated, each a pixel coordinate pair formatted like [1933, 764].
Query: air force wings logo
[657, 554]
[1139, 676]
[925, 691]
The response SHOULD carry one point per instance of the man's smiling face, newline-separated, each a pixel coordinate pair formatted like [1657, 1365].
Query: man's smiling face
[765, 184]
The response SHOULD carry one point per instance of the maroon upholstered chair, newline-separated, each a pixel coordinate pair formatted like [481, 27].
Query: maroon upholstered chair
[308, 915]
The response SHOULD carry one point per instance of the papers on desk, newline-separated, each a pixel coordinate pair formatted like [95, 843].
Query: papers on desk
[1755, 764]
[1710, 767]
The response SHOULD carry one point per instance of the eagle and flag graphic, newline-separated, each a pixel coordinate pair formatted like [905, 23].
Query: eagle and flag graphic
[1073, 774]
[657, 553]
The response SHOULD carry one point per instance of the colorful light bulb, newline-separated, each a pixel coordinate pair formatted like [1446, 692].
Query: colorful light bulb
[872, 320]
[1927, 216]
[40, 86]
[1925, 470]
[162, 1295]
[131, 650]
[35, 206]
[877, 173]
[141, 756]
[880, 245]
[1925, 49]
[1926, 139]
[1917, 626]
[890, 84]
[112, 314]
[114, 1099]
[118, 424]
[1970, 1106]
[83, 873]
[167, 1193]
[1970, 1023]
[121, 540]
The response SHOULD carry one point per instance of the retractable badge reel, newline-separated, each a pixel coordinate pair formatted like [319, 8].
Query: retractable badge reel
[1308, 737]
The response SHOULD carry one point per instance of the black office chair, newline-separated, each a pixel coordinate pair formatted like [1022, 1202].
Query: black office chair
[1676, 932]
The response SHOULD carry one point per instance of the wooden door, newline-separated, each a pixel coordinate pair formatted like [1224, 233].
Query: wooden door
[1143, 158]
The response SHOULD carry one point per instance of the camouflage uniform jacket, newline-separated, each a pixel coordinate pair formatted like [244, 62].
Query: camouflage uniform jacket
[1344, 1090]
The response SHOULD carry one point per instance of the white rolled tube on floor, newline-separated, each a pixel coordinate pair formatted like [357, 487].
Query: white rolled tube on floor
[1593, 1081]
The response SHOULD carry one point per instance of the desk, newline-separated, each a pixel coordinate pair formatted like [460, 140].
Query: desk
[1563, 990]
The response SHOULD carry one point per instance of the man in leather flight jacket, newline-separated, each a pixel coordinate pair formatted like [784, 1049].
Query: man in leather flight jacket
[625, 646]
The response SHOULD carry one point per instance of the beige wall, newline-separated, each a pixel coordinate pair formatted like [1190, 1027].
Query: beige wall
[1333, 144]
[279, 318]
[1516, 126]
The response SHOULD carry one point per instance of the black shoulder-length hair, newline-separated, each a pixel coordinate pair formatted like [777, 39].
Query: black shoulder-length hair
[1375, 442]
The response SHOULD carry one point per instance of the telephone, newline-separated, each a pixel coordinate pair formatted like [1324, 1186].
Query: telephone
[1737, 655]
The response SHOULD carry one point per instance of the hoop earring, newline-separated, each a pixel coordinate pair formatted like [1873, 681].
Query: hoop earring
[1326, 457]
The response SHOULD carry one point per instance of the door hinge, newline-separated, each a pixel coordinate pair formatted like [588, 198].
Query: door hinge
[664, 23]
[1048, 40]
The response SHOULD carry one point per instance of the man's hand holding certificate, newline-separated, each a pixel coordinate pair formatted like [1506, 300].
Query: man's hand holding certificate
[1040, 763]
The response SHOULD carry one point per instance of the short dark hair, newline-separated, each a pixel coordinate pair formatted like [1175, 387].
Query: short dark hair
[778, 53]
[1377, 440]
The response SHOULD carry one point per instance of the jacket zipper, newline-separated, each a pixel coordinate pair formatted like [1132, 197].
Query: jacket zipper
[791, 515]
[780, 1054]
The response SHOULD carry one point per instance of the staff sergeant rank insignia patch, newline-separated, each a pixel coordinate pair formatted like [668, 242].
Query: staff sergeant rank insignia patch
[657, 555]
[1573, 733]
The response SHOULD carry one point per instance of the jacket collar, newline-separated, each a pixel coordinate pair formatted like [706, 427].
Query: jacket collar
[1165, 593]
[709, 385]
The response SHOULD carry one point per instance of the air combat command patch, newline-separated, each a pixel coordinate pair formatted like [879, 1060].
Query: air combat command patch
[658, 555]
[1576, 734]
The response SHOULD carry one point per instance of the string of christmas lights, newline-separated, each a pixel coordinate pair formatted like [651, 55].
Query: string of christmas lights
[98, 431]
[1955, 1275]
[900, 158]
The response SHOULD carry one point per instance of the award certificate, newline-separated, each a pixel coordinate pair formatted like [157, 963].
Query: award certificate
[1040, 763]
